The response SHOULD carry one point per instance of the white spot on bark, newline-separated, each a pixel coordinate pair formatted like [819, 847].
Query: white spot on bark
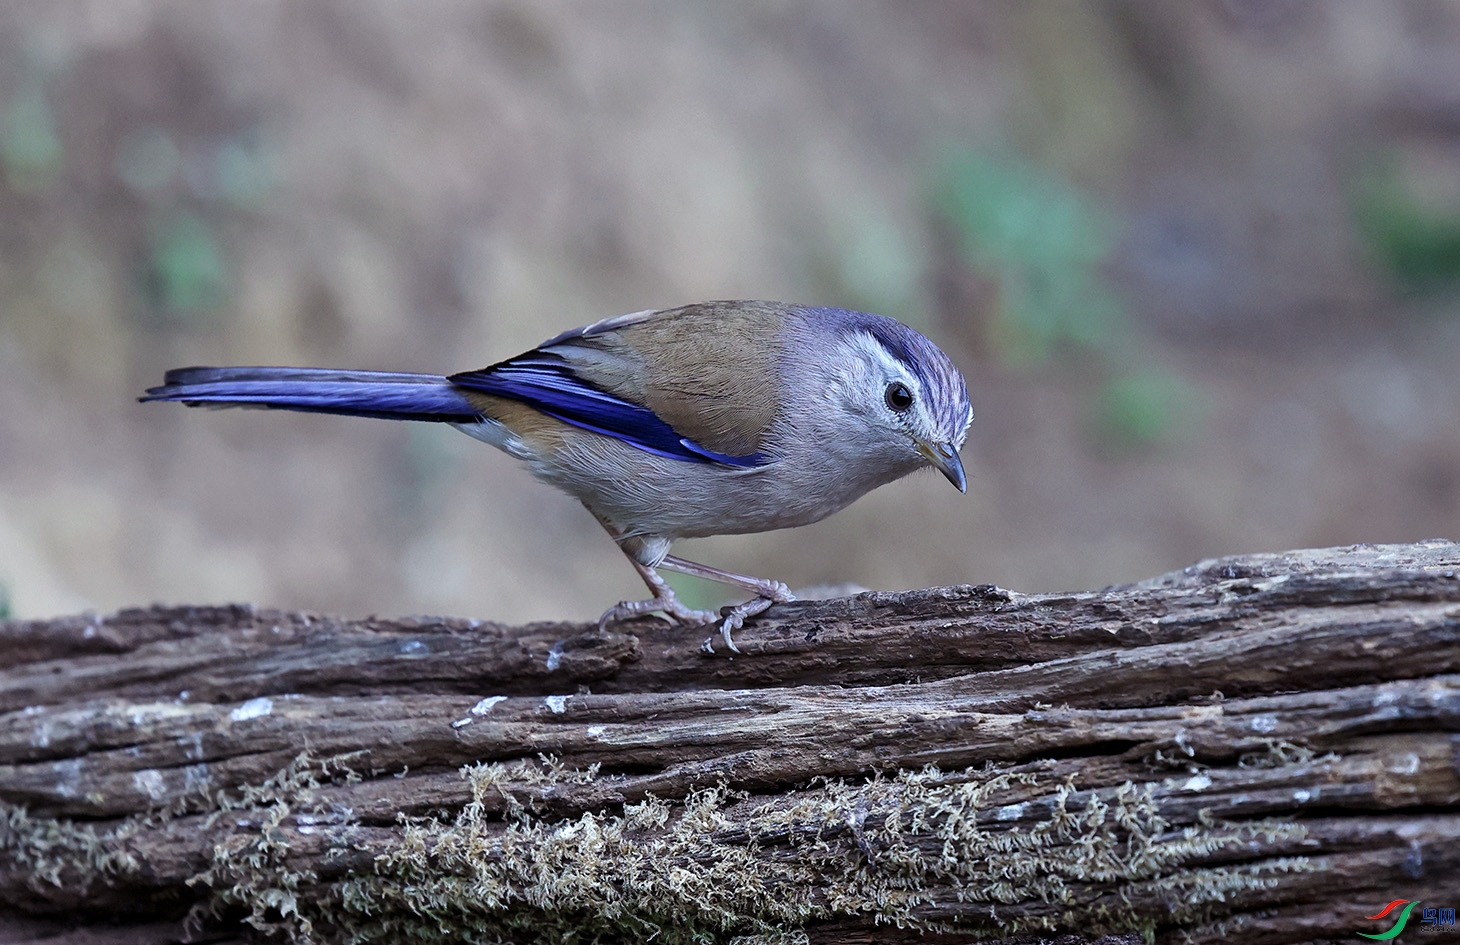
[485, 706]
[1182, 742]
[197, 778]
[555, 656]
[149, 782]
[1264, 723]
[559, 704]
[1197, 782]
[252, 709]
[1407, 764]
[69, 774]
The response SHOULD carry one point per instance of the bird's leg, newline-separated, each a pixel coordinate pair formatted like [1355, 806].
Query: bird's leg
[664, 600]
[648, 554]
[767, 592]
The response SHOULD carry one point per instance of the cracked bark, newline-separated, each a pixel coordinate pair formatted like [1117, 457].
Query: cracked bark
[1263, 744]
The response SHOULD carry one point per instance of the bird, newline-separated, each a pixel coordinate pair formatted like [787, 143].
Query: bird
[722, 417]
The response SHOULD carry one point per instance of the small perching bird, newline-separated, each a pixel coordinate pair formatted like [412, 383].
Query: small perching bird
[712, 419]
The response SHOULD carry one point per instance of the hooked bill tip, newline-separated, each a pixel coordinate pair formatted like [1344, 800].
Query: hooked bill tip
[944, 458]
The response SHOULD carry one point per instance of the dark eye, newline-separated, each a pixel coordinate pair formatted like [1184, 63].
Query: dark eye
[899, 398]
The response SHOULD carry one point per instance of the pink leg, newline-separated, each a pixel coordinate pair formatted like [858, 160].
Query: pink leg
[664, 601]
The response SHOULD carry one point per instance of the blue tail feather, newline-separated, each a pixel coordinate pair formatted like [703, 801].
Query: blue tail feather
[352, 393]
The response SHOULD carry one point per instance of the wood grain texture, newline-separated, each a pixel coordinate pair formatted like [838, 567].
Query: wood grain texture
[1264, 745]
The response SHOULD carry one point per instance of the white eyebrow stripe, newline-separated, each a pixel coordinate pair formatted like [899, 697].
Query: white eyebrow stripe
[868, 343]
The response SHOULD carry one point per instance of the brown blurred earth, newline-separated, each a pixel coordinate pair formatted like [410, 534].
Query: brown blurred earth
[1198, 261]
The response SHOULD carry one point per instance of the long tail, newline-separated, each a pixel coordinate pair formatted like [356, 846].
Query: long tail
[353, 393]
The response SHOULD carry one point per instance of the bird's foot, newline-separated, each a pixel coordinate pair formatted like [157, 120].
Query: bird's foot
[663, 603]
[771, 592]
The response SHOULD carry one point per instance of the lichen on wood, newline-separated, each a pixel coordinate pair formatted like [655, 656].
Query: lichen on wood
[718, 863]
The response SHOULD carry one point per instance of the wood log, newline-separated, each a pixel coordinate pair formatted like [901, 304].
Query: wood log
[1264, 747]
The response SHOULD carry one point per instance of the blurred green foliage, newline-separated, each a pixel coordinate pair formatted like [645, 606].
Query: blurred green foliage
[30, 149]
[699, 593]
[5, 607]
[237, 171]
[1138, 408]
[880, 267]
[242, 169]
[1042, 244]
[186, 274]
[1416, 241]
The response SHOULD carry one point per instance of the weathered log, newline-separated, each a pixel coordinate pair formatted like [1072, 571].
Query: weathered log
[1264, 746]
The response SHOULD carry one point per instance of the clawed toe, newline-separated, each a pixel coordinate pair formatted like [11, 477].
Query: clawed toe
[728, 620]
[735, 617]
[669, 608]
[625, 610]
[666, 603]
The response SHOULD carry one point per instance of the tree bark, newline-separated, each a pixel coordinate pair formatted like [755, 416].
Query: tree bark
[1262, 747]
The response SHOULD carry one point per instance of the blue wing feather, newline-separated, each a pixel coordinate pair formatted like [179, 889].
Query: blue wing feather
[547, 382]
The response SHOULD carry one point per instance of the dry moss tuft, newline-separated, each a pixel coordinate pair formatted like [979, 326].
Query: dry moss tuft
[924, 850]
[61, 854]
[250, 868]
[911, 849]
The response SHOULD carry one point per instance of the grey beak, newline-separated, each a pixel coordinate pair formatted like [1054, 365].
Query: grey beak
[944, 458]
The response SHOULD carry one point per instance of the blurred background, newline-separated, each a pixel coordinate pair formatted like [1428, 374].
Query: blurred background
[1200, 262]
